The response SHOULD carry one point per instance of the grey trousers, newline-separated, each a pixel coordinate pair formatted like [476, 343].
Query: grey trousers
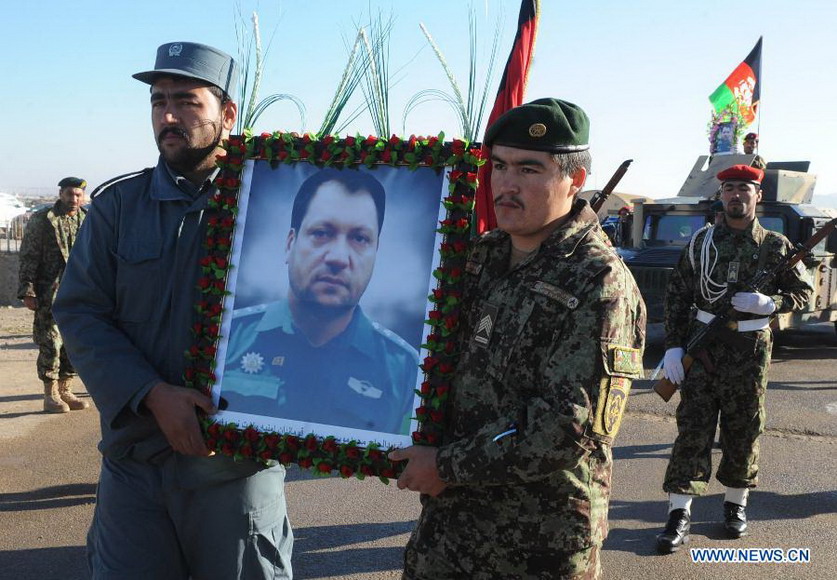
[186, 517]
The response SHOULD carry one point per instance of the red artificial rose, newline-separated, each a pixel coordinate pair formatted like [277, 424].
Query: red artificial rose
[194, 351]
[304, 154]
[442, 390]
[212, 330]
[366, 470]
[394, 140]
[311, 443]
[227, 222]
[221, 262]
[386, 156]
[455, 272]
[425, 388]
[432, 438]
[231, 435]
[219, 285]
[215, 309]
[324, 467]
[204, 283]
[330, 445]
[421, 412]
[265, 135]
[251, 434]
[450, 322]
[214, 429]
[434, 315]
[417, 436]
[455, 175]
[292, 442]
[430, 362]
[371, 140]
[271, 440]
[285, 458]
[411, 144]
[428, 160]
[326, 155]
[327, 140]
[350, 141]
[227, 449]
[445, 368]
[246, 450]
[352, 452]
[346, 471]
[306, 139]
[211, 443]
[206, 261]
[283, 155]
[265, 455]
[374, 454]
[363, 155]
[436, 416]
[471, 177]
[432, 141]
[458, 147]
[450, 347]
[306, 462]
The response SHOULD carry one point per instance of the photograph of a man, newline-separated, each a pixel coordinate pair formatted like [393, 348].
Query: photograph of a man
[315, 356]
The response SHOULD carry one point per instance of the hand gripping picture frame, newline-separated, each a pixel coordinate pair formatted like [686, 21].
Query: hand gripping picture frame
[329, 297]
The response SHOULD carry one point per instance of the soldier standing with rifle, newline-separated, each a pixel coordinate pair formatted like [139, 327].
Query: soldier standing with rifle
[729, 376]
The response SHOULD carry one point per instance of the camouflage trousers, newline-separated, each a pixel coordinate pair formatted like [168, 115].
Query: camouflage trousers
[735, 391]
[53, 363]
[431, 554]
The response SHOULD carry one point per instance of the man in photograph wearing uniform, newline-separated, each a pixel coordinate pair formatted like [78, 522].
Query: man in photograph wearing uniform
[552, 331]
[47, 241]
[719, 261]
[166, 507]
[316, 356]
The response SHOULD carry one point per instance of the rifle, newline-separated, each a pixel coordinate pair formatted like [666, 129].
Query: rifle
[695, 347]
[597, 201]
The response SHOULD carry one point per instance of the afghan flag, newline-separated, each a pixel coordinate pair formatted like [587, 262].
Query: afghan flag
[742, 87]
[509, 95]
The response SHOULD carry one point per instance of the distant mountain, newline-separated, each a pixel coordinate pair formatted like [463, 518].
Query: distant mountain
[825, 200]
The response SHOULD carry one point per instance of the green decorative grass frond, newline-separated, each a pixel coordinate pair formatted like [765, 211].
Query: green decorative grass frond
[353, 74]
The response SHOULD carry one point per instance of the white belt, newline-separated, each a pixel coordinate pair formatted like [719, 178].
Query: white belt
[740, 326]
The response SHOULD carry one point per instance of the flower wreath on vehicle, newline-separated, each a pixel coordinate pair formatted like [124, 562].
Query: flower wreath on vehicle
[324, 454]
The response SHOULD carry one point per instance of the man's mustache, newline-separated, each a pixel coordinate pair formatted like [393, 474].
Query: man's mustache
[516, 202]
[172, 130]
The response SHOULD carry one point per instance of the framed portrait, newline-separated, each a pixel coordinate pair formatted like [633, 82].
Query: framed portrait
[329, 297]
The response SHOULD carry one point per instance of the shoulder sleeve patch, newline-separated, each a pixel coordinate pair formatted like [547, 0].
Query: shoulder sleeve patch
[625, 361]
[613, 398]
[555, 293]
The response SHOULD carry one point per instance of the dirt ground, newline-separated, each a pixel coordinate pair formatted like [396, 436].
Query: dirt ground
[21, 393]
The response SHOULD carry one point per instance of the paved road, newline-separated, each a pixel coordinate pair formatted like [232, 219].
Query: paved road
[357, 529]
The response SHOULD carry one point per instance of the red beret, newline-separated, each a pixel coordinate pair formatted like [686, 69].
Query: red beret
[749, 136]
[742, 173]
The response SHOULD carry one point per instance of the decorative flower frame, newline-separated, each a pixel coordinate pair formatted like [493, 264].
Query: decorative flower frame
[325, 454]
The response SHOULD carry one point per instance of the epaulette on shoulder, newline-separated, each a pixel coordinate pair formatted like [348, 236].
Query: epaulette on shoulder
[118, 179]
[257, 309]
[491, 236]
[392, 337]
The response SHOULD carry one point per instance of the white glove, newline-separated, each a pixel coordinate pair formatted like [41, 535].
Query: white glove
[753, 302]
[673, 365]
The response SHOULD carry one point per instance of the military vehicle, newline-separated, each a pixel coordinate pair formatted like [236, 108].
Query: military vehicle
[656, 233]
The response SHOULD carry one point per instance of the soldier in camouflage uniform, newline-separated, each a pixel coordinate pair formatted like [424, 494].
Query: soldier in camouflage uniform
[46, 245]
[731, 380]
[552, 333]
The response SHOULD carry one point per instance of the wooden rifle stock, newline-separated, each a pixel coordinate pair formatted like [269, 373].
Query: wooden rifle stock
[664, 387]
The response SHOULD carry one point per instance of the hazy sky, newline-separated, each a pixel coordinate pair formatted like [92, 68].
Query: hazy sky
[642, 70]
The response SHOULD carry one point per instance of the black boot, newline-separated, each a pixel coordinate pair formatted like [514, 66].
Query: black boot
[676, 533]
[735, 520]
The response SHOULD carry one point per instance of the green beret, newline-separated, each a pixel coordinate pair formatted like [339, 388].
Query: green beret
[543, 125]
[72, 182]
[194, 61]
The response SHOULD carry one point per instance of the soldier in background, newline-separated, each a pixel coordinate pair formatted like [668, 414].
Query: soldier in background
[716, 262]
[751, 146]
[552, 334]
[46, 245]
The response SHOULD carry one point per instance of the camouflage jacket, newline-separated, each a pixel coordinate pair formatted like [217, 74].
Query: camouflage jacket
[737, 255]
[46, 245]
[548, 348]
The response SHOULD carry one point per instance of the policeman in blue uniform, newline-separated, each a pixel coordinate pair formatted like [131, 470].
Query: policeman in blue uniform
[316, 357]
